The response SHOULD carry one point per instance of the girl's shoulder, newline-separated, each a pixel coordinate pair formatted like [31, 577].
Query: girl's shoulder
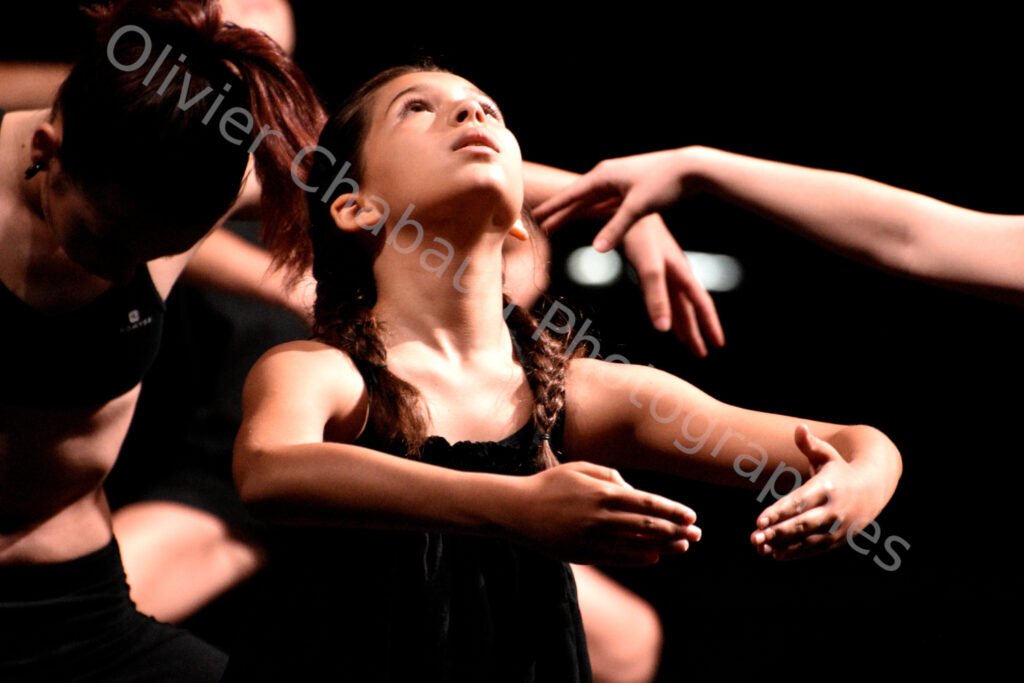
[307, 375]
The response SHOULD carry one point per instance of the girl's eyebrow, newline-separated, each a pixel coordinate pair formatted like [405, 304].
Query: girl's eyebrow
[411, 88]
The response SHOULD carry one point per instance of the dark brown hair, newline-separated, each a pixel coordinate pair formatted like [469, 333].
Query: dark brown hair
[342, 264]
[132, 147]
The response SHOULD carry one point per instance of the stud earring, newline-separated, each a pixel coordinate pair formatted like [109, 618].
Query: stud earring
[32, 170]
[518, 230]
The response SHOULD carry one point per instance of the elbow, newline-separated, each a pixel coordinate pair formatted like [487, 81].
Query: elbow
[906, 245]
[889, 455]
[264, 487]
[251, 475]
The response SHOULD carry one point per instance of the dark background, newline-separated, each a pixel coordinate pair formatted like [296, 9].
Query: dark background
[930, 104]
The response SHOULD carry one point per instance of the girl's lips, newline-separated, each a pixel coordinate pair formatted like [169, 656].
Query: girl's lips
[476, 138]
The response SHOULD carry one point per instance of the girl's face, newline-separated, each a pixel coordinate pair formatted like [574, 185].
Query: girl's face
[437, 142]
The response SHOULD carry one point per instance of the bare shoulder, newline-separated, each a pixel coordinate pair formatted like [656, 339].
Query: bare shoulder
[308, 383]
[305, 364]
[591, 376]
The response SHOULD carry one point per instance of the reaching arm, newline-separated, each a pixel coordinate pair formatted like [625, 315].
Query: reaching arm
[630, 416]
[885, 226]
[286, 468]
[30, 85]
[226, 262]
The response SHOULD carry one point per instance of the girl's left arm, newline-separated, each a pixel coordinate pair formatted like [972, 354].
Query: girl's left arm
[829, 480]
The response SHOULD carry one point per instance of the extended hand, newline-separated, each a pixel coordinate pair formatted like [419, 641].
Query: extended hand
[817, 516]
[674, 297]
[587, 514]
[635, 188]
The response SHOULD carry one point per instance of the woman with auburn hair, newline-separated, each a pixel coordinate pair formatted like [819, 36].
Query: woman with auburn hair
[104, 197]
[415, 443]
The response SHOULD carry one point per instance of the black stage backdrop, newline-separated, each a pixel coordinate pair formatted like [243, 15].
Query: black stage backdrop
[930, 105]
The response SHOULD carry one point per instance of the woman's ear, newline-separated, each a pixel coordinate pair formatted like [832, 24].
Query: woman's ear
[45, 143]
[352, 212]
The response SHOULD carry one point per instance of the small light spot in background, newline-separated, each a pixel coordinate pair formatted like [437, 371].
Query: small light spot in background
[590, 268]
[717, 272]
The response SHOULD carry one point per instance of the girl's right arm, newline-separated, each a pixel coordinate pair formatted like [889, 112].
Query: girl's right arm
[288, 471]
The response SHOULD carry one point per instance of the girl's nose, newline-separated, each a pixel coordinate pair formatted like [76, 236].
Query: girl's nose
[467, 111]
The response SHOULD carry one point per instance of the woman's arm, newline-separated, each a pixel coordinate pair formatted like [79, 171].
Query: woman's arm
[226, 262]
[288, 471]
[885, 226]
[826, 479]
[30, 85]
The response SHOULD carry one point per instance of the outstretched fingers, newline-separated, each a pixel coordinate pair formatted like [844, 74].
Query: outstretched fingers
[796, 503]
[694, 304]
[816, 521]
[651, 505]
[584, 191]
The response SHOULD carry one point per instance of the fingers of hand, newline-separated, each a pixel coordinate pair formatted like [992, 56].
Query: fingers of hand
[586, 188]
[693, 292]
[684, 322]
[615, 229]
[817, 522]
[650, 505]
[804, 498]
[651, 273]
[656, 530]
[557, 218]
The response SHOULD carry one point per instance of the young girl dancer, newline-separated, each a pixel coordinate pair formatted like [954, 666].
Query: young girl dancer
[414, 441]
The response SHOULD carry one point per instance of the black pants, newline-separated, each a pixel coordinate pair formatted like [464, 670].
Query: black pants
[74, 621]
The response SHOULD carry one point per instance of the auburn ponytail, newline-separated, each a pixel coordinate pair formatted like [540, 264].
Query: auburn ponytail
[288, 118]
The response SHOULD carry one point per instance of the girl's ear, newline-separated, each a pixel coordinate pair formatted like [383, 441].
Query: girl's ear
[352, 213]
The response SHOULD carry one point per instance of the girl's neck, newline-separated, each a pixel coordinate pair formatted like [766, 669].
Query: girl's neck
[455, 312]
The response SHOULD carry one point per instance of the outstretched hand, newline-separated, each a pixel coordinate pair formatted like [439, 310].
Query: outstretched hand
[635, 188]
[587, 514]
[632, 187]
[817, 516]
[674, 297]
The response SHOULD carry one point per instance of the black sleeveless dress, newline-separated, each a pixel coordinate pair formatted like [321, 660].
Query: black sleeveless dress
[374, 606]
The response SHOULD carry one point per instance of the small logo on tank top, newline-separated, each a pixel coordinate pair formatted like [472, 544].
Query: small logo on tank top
[136, 321]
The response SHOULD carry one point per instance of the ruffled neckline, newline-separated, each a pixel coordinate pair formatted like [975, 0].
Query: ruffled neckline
[516, 454]
[516, 437]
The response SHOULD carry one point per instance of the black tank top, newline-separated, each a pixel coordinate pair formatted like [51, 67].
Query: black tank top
[85, 356]
[389, 606]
